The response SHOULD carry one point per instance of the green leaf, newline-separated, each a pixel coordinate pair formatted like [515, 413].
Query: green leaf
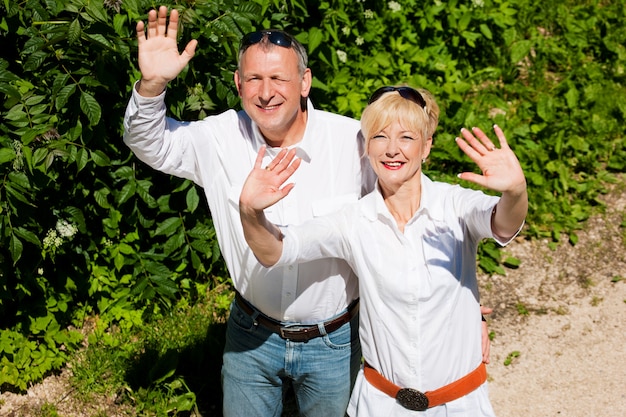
[511, 262]
[7, 155]
[484, 29]
[35, 60]
[82, 158]
[128, 190]
[316, 37]
[74, 31]
[101, 197]
[90, 108]
[519, 50]
[63, 96]
[15, 248]
[100, 158]
[545, 108]
[17, 194]
[192, 199]
[168, 226]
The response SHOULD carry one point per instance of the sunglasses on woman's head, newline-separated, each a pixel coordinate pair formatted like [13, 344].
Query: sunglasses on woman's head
[405, 92]
[275, 37]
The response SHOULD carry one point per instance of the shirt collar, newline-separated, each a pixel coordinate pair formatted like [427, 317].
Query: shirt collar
[431, 204]
[307, 141]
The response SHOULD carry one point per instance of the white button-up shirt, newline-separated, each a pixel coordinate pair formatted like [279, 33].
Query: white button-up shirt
[219, 152]
[420, 321]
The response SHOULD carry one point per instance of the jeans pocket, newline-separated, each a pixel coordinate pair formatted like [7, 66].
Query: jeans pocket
[345, 336]
[240, 319]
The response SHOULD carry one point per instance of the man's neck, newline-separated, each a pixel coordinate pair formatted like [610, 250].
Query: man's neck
[289, 136]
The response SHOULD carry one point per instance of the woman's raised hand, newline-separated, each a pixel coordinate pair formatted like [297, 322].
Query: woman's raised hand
[264, 186]
[501, 170]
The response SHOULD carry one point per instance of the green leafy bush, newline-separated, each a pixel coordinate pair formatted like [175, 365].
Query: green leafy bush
[87, 230]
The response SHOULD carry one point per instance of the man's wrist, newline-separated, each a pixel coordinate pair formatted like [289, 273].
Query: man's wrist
[149, 89]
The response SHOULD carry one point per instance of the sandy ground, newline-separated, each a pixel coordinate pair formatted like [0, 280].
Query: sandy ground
[566, 348]
[571, 345]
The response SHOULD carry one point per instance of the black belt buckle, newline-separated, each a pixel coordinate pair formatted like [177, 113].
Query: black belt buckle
[412, 399]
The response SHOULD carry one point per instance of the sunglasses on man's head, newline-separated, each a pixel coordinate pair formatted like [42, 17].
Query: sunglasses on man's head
[275, 37]
[405, 92]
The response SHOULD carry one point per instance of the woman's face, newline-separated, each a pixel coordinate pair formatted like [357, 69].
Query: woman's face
[396, 155]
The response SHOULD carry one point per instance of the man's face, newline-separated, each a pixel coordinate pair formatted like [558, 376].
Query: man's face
[271, 88]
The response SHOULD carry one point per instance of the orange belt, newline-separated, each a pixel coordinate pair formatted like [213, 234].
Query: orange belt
[415, 400]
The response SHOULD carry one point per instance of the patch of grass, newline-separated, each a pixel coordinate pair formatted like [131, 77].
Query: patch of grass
[586, 282]
[595, 301]
[521, 309]
[47, 410]
[562, 310]
[510, 357]
[168, 365]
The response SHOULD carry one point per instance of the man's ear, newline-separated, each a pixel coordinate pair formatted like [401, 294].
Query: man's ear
[237, 82]
[307, 79]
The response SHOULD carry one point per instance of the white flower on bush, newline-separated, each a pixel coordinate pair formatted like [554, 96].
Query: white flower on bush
[368, 14]
[52, 240]
[359, 41]
[394, 6]
[66, 229]
[343, 57]
[345, 30]
[62, 232]
[478, 3]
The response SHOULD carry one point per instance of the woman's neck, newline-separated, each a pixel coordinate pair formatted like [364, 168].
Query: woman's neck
[402, 203]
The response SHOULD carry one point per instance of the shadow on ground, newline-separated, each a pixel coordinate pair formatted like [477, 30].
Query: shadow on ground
[198, 365]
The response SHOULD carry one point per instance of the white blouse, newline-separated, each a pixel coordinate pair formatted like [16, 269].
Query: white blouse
[420, 321]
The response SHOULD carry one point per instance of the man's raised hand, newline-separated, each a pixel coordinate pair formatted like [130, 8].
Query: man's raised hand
[159, 59]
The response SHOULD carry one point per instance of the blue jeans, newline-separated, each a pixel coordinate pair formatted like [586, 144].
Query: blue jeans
[259, 366]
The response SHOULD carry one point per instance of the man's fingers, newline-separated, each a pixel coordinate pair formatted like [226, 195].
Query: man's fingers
[172, 28]
[152, 23]
[190, 50]
[162, 21]
[141, 32]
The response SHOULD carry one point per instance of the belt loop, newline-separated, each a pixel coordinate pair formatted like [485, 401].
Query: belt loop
[255, 314]
[322, 329]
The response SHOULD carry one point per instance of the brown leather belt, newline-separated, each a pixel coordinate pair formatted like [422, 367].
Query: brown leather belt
[297, 333]
[415, 400]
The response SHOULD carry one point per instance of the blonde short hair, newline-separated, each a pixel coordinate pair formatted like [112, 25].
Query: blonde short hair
[392, 107]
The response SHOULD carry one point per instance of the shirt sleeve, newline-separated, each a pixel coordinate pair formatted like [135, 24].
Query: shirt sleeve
[320, 238]
[478, 209]
[158, 140]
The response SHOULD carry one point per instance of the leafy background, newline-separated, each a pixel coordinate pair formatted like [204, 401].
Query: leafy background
[106, 260]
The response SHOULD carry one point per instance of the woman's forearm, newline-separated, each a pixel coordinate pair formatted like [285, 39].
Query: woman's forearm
[510, 213]
[263, 237]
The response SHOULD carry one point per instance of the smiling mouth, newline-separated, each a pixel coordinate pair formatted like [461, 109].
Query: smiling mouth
[269, 107]
[393, 164]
